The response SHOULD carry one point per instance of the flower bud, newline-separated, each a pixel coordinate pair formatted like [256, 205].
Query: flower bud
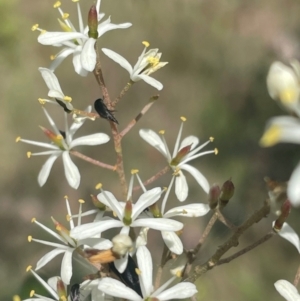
[213, 196]
[154, 209]
[180, 155]
[227, 192]
[285, 211]
[127, 220]
[61, 291]
[93, 22]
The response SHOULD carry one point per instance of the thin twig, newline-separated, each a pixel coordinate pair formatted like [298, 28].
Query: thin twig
[92, 161]
[247, 249]
[122, 93]
[225, 221]
[139, 116]
[153, 178]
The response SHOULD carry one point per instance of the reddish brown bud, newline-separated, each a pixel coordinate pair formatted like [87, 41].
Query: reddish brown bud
[93, 22]
[285, 211]
[227, 192]
[127, 220]
[97, 203]
[213, 196]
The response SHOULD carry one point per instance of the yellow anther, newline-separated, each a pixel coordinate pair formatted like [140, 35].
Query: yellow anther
[211, 139]
[178, 274]
[35, 27]
[28, 268]
[183, 118]
[153, 61]
[68, 98]
[271, 136]
[68, 217]
[29, 238]
[66, 197]
[115, 214]
[75, 1]
[18, 139]
[28, 154]
[41, 101]
[16, 298]
[176, 172]
[134, 171]
[57, 4]
[161, 132]
[81, 201]
[65, 16]
[216, 151]
[146, 44]
[52, 57]
[33, 220]
[58, 228]
[63, 298]
[184, 211]
[138, 271]
[288, 96]
[32, 292]
[98, 186]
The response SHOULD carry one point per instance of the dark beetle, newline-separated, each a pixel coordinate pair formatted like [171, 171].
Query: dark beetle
[103, 111]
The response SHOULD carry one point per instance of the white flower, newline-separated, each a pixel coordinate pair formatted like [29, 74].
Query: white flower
[287, 290]
[283, 84]
[76, 42]
[145, 269]
[183, 153]
[285, 129]
[54, 89]
[66, 246]
[147, 63]
[62, 143]
[128, 216]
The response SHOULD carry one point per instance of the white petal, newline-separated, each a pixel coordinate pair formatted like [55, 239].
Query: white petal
[60, 57]
[51, 80]
[198, 176]
[118, 59]
[117, 289]
[162, 224]
[290, 235]
[190, 140]
[88, 55]
[110, 26]
[48, 257]
[66, 267]
[287, 290]
[71, 171]
[172, 241]
[52, 38]
[46, 168]
[91, 229]
[153, 139]
[108, 199]
[144, 262]
[179, 291]
[191, 210]
[147, 199]
[293, 189]
[150, 81]
[77, 62]
[94, 139]
[181, 187]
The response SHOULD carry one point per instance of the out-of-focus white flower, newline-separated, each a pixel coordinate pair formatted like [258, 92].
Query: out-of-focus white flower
[67, 245]
[287, 290]
[76, 42]
[283, 85]
[147, 63]
[288, 233]
[145, 270]
[285, 129]
[183, 153]
[62, 143]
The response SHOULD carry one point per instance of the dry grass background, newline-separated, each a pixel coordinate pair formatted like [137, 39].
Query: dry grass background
[219, 53]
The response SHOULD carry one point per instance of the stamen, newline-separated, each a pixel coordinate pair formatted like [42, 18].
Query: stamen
[146, 44]
[18, 139]
[134, 171]
[161, 132]
[216, 151]
[33, 220]
[16, 298]
[57, 4]
[138, 271]
[65, 16]
[28, 268]
[35, 27]
[66, 197]
[68, 98]
[28, 154]
[211, 139]
[32, 292]
[81, 201]
[52, 57]
[29, 238]
[42, 101]
[98, 186]
[183, 118]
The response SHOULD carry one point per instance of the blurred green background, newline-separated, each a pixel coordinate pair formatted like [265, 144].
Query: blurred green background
[219, 53]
